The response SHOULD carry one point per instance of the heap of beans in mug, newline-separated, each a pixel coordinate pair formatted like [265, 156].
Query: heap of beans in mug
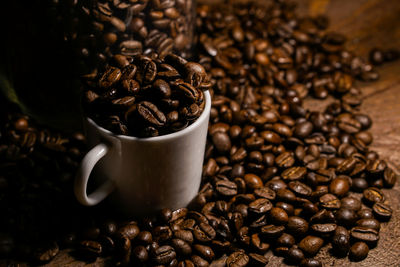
[146, 97]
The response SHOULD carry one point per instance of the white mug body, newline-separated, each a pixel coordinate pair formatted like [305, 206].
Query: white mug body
[147, 174]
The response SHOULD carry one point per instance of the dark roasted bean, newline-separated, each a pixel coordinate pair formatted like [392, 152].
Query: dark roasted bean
[358, 251]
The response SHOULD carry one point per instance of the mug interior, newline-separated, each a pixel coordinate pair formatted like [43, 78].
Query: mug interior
[194, 125]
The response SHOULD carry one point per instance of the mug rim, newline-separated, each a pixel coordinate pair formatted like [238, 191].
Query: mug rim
[182, 132]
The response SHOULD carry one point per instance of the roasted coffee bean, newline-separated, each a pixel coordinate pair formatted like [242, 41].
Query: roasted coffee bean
[199, 261]
[364, 234]
[110, 77]
[278, 216]
[389, 177]
[341, 241]
[373, 195]
[265, 192]
[204, 232]
[163, 255]
[382, 211]
[297, 226]
[222, 142]
[310, 263]
[272, 231]
[237, 259]
[324, 228]
[258, 244]
[311, 244]
[151, 114]
[90, 249]
[260, 206]
[339, 186]
[350, 203]
[140, 254]
[285, 240]
[253, 181]
[358, 251]
[359, 184]
[49, 251]
[130, 230]
[204, 251]
[369, 223]
[285, 195]
[346, 217]
[303, 130]
[329, 201]
[365, 214]
[181, 246]
[300, 188]
[226, 188]
[294, 255]
[294, 173]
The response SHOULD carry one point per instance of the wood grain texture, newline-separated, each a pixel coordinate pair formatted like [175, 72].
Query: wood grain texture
[367, 24]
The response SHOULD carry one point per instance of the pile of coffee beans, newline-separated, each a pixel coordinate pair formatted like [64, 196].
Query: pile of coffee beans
[128, 27]
[37, 167]
[276, 176]
[146, 97]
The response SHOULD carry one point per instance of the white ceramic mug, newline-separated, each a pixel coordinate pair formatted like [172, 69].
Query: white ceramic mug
[147, 174]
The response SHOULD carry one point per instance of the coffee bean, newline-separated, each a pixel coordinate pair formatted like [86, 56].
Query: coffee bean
[373, 195]
[339, 186]
[300, 188]
[365, 214]
[260, 205]
[204, 232]
[358, 251]
[364, 234]
[297, 226]
[311, 244]
[389, 177]
[294, 173]
[164, 254]
[369, 223]
[346, 217]
[140, 253]
[265, 192]
[222, 142]
[294, 255]
[151, 114]
[49, 251]
[278, 216]
[181, 246]
[350, 203]
[204, 251]
[329, 201]
[226, 188]
[359, 184]
[253, 181]
[237, 259]
[341, 241]
[90, 249]
[272, 231]
[324, 228]
[303, 130]
[285, 240]
[382, 211]
[310, 263]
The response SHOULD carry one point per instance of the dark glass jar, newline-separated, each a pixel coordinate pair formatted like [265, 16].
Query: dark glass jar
[129, 27]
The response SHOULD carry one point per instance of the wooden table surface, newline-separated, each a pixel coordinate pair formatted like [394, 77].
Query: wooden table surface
[367, 24]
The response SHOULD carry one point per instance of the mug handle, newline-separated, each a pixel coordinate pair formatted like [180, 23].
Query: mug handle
[82, 178]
